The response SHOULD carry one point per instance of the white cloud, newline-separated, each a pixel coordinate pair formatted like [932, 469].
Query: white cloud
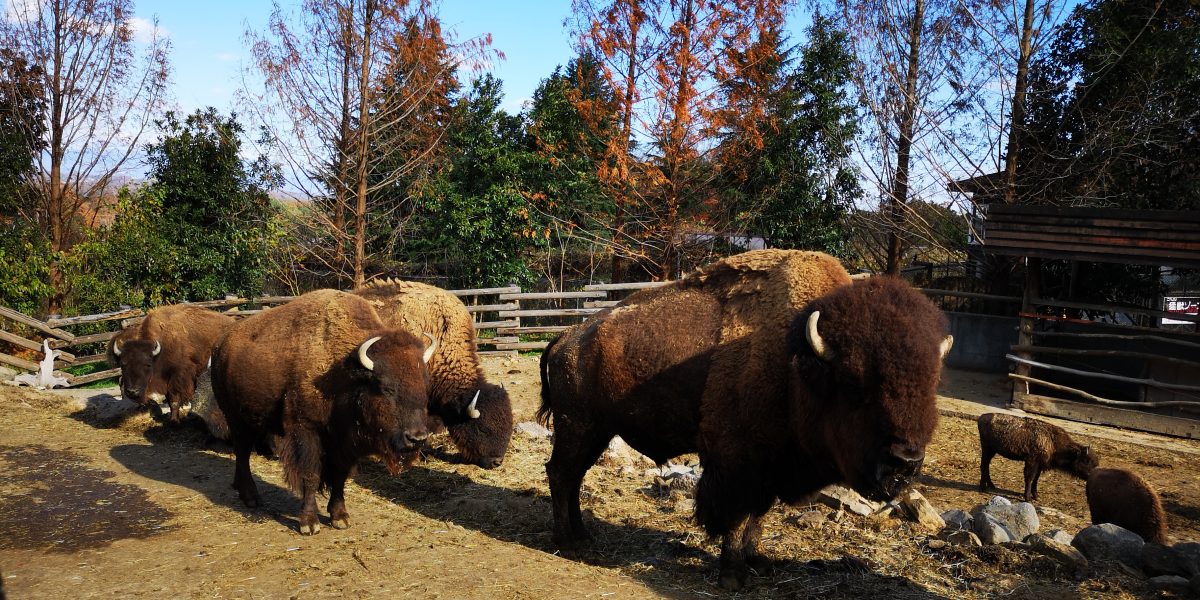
[144, 30]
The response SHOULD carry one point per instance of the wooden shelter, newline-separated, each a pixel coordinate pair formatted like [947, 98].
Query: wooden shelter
[1119, 366]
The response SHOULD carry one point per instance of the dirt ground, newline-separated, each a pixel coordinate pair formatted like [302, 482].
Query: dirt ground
[95, 509]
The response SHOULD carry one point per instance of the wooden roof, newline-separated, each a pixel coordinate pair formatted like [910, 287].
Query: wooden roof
[1146, 237]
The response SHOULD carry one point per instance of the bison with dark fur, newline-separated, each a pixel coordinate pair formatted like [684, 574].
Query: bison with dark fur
[324, 374]
[477, 414]
[782, 374]
[1039, 444]
[163, 356]
[1123, 498]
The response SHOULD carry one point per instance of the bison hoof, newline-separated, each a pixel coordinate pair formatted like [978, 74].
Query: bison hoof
[341, 523]
[733, 580]
[310, 529]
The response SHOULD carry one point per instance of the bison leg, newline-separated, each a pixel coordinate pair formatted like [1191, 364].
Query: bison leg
[985, 469]
[575, 451]
[1032, 473]
[335, 477]
[243, 481]
[303, 463]
[739, 554]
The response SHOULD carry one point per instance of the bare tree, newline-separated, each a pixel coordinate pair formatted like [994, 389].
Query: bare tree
[335, 97]
[102, 86]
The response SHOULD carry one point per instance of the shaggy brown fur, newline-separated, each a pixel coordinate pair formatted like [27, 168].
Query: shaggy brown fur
[186, 335]
[1039, 444]
[455, 373]
[294, 371]
[718, 362]
[1123, 498]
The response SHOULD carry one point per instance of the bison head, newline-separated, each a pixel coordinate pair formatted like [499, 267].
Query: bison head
[392, 395]
[482, 426]
[866, 359]
[137, 359]
[1077, 460]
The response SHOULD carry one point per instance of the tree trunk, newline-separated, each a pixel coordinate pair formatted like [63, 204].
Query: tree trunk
[55, 195]
[620, 264]
[1018, 107]
[676, 144]
[342, 165]
[360, 211]
[908, 116]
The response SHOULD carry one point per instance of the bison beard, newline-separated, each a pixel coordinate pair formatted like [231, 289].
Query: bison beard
[779, 372]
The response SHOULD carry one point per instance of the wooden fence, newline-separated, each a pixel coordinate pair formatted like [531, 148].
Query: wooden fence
[505, 321]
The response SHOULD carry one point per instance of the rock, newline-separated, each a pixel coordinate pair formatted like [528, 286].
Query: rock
[619, 453]
[937, 544]
[807, 520]
[1051, 512]
[841, 497]
[1158, 559]
[1194, 586]
[963, 538]
[1109, 542]
[837, 515]
[686, 505]
[1020, 519]
[1172, 584]
[990, 530]
[675, 477]
[533, 430]
[920, 510]
[1060, 536]
[1065, 554]
[958, 519]
[1190, 552]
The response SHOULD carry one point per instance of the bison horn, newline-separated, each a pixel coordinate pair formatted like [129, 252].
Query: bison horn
[157, 348]
[471, 410]
[117, 348]
[366, 361]
[814, 338]
[947, 344]
[430, 350]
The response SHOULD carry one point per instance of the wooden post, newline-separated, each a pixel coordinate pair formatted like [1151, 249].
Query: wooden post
[1033, 278]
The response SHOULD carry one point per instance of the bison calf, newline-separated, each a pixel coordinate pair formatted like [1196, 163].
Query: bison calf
[1038, 443]
[324, 374]
[1123, 498]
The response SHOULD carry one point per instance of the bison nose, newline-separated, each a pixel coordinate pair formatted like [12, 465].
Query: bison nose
[415, 437]
[491, 462]
[907, 458]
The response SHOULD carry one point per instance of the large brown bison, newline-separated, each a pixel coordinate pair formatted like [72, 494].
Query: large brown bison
[324, 374]
[477, 414]
[783, 375]
[162, 357]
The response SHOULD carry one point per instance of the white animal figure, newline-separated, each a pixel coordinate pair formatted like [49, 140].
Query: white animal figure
[45, 377]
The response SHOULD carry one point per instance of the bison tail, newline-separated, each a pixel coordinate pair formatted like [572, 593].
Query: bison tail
[543, 412]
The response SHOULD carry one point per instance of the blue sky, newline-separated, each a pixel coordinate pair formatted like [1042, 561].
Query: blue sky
[209, 52]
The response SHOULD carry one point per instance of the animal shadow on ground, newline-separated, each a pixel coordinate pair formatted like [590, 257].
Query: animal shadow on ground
[105, 411]
[679, 569]
[965, 486]
[179, 460]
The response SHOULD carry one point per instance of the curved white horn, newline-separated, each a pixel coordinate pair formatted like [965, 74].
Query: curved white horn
[947, 344]
[430, 349]
[157, 348]
[814, 337]
[366, 361]
[117, 348]
[471, 410]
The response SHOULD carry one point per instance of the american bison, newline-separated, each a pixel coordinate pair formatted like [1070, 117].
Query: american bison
[782, 374]
[163, 356]
[1040, 444]
[477, 414]
[1123, 498]
[324, 374]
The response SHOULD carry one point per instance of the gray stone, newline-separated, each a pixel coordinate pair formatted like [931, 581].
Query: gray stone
[619, 453]
[1190, 552]
[1172, 584]
[1158, 559]
[998, 501]
[1065, 554]
[1060, 536]
[1109, 542]
[838, 496]
[920, 510]
[675, 477]
[962, 538]
[957, 519]
[808, 520]
[1019, 519]
[990, 530]
[533, 430]
[686, 506]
